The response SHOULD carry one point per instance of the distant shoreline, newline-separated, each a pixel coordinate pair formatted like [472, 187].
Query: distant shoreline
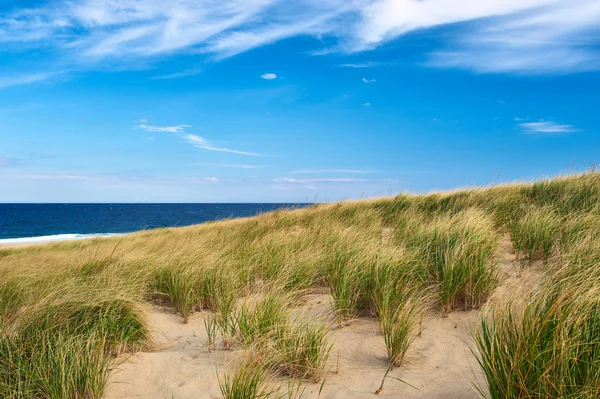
[41, 240]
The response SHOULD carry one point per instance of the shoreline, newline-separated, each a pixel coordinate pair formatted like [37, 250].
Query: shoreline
[12, 243]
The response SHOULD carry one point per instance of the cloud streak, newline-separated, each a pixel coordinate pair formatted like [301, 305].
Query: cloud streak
[313, 171]
[27, 79]
[196, 141]
[200, 142]
[547, 127]
[177, 75]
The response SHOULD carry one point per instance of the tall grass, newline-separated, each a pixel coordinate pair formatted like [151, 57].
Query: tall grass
[263, 319]
[248, 381]
[178, 286]
[302, 349]
[346, 277]
[458, 257]
[399, 306]
[381, 258]
[63, 349]
[536, 233]
[551, 349]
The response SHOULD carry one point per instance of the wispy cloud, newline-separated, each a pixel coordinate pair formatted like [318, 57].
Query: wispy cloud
[522, 36]
[238, 166]
[547, 127]
[167, 129]
[366, 104]
[196, 141]
[27, 79]
[212, 179]
[182, 74]
[365, 80]
[546, 36]
[313, 171]
[320, 180]
[360, 65]
[268, 76]
[200, 142]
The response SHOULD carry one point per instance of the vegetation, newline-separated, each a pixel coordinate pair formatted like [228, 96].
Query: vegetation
[69, 310]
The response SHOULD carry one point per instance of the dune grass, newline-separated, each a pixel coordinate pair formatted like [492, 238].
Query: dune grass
[67, 310]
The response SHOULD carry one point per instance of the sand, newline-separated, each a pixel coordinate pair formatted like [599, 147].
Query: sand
[439, 364]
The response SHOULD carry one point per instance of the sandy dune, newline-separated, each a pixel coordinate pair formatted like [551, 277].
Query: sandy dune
[438, 365]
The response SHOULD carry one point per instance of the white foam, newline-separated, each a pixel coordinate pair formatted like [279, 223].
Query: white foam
[56, 237]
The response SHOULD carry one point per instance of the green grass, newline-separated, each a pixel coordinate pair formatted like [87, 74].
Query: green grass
[263, 319]
[178, 286]
[399, 305]
[64, 349]
[248, 381]
[550, 350]
[346, 277]
[536, 233]
[302, 349]
[457, 254]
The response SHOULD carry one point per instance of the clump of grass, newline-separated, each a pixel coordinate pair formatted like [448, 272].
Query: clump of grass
[178, 286]
[399, 306]
[536, 233]
[551, 348]
[346, 277]
[261, 320]
[117, 321]
[302, 349]
[219, 293]
[399, 328]
[248, 381]
[63, 348]
[458, 256]
[53, 366]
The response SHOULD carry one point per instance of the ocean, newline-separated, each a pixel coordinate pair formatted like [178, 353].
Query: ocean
[21, 223]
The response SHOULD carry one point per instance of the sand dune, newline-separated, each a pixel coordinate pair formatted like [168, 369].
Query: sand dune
[439, 364]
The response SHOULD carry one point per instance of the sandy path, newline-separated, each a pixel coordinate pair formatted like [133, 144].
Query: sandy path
[439, 363]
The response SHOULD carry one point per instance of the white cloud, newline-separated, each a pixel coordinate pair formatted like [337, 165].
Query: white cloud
[560, 36]
[366, 104]
[168, 129]
[547, 127]
[200, 142]
[238, 166]
[196, 141]
[522, 36]
[320, 180]
[27, 79]
[213, 179]
[360, 65]
[365, 80]
[311, 171]
[268, 76]
[182, 74]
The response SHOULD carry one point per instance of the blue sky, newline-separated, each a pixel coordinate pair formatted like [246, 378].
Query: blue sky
[271, 100]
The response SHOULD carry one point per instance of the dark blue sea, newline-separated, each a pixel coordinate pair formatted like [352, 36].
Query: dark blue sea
[55, 222]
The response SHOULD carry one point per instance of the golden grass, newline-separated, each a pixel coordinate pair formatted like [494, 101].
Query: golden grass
[392, 258]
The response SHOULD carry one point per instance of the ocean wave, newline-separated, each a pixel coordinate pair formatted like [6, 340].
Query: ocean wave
[55, 237]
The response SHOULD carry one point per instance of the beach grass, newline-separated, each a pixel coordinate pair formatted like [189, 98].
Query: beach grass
[68, 311]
